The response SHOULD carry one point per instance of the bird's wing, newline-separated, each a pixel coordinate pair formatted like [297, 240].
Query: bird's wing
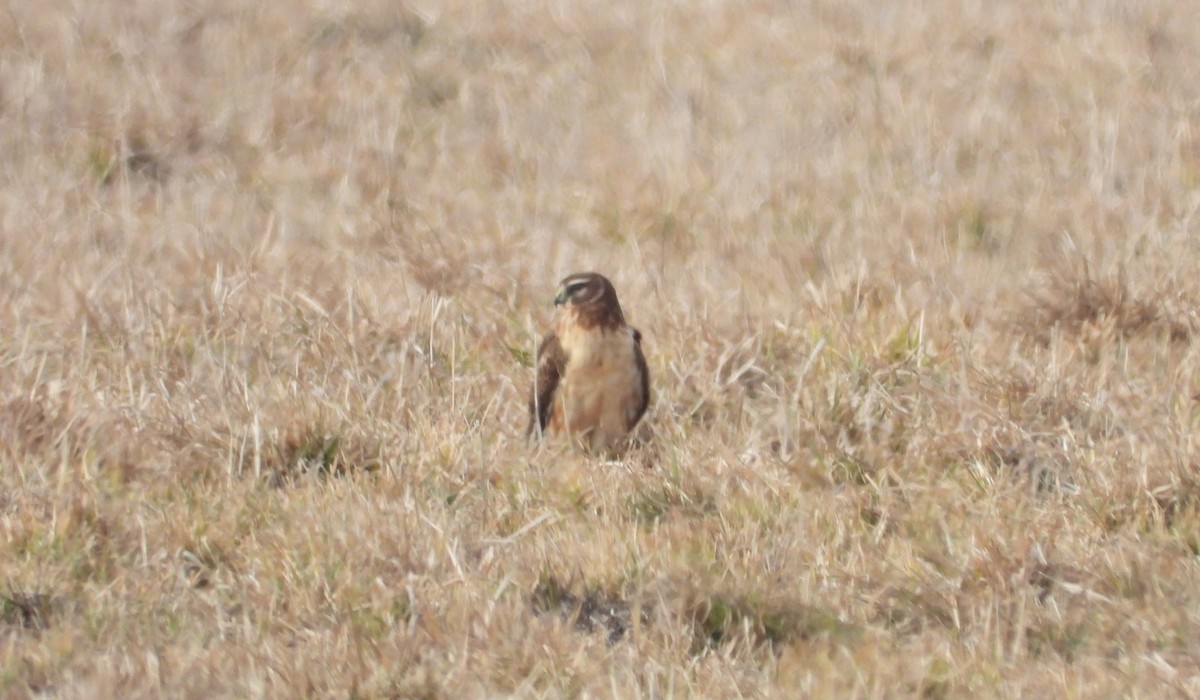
[644, 372]
[550, 363]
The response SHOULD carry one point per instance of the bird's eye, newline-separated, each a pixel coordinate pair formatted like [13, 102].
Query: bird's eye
[575, 287]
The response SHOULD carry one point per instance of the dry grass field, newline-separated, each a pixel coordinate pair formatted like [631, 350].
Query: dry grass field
[918, 282]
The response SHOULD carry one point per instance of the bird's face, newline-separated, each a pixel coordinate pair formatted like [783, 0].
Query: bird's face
[588, 298]
[583, 288]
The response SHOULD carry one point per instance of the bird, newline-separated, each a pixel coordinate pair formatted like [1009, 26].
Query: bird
[591, 382]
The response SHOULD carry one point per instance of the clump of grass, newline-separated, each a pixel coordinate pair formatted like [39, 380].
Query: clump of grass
[27, 610]
[312, 450]
[1179, 502]
[911, 609]
[1040, 466]
[1073, 300]
[1173, 506]
[53, 432]
[129, 156]
[775, 619]
[655, 501]
[28, 425]
[589, 610]
[866, 419]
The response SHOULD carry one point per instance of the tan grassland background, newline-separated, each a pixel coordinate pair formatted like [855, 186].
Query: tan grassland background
[918, 282]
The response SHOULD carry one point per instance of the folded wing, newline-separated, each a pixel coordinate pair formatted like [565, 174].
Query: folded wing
[550, 363]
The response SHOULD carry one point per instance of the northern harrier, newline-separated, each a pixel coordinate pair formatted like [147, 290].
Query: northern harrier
[591, 383]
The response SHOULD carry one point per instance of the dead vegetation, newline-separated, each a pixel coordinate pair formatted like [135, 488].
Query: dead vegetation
[1076, 302]
[918, 287]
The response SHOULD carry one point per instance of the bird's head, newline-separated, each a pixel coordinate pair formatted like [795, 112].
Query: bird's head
[591, 297]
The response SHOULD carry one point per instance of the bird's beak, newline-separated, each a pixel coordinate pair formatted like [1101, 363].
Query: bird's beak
[561, 297]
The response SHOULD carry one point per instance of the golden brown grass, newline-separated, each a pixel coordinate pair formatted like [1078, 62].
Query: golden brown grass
[918, 283]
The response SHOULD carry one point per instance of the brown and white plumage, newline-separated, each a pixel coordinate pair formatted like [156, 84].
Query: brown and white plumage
[592, 383]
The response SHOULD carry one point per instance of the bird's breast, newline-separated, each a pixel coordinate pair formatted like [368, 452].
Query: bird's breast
[601, 386]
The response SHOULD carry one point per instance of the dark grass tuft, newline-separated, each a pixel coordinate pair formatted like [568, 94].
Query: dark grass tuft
[27, 610]
[311, 450]
[1074, 300]
[589, 610]
[772, 619]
